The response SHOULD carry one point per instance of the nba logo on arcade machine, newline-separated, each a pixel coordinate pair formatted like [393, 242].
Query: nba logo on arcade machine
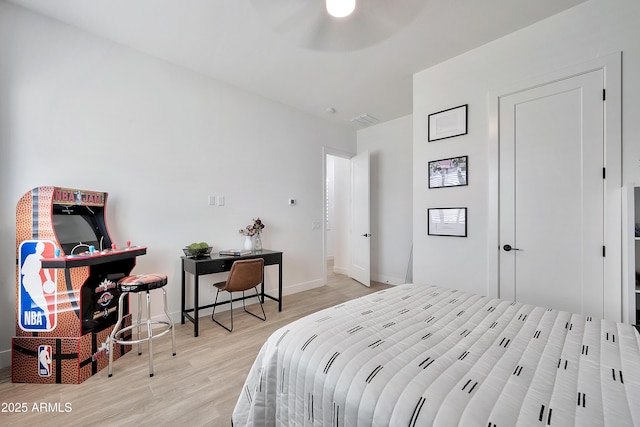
[44, 360]
[37, 297]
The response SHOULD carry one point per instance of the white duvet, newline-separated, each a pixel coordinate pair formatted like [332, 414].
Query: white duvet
[417, 355]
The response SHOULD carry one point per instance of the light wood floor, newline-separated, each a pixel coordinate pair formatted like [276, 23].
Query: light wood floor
[199, 386]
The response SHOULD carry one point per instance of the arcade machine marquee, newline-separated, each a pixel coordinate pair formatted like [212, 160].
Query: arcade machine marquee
[67, 267]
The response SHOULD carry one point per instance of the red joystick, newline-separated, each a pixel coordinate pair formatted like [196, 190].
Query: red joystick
[128, 244]
[113, 246]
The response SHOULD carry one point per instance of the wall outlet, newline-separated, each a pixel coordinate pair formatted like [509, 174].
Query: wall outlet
[212, 200]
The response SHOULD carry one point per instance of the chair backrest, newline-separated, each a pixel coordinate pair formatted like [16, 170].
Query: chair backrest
[245, 274]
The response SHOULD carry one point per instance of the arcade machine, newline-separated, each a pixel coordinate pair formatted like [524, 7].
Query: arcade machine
[67, 267]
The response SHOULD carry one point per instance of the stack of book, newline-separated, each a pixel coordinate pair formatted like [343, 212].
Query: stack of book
[235, 252]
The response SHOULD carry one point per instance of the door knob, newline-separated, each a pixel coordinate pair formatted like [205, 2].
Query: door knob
[366, 235]
[508, 248]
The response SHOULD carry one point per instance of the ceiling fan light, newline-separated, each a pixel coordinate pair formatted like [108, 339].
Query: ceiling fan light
[340, 8]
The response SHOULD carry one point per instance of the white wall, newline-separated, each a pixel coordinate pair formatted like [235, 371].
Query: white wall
[390, 147]
[588, 31]
[78, 111]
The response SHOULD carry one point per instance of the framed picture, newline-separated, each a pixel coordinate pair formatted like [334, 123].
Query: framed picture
[450, 172]
[448, 123]
[447, 222]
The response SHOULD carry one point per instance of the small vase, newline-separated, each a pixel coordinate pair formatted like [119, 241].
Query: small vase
[257, 244]
[248, 243]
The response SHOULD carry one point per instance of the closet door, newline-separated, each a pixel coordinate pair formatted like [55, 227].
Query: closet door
[552, 195]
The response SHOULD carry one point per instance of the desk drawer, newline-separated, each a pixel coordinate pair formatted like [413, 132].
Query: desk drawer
[217, 266]
[208, 266]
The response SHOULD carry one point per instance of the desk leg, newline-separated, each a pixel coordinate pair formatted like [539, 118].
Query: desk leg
[195, 305]
[182, 307]
[280, 286]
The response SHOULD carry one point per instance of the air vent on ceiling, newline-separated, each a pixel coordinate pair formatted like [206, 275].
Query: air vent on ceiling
[364, 120]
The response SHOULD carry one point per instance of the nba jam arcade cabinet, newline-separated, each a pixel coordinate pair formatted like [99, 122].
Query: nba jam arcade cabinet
[67, 267]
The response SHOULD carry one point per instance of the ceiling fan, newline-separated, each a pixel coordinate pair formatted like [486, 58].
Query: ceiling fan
[309, 24]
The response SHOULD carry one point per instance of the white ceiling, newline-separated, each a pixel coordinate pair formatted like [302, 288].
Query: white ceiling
[246, 44]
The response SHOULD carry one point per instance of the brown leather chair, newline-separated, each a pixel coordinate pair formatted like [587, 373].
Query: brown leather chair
[244, 275]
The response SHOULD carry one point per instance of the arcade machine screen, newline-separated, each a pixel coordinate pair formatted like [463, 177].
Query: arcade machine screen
[78, 228]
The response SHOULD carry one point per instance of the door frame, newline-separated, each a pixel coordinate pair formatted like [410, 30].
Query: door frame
[615, 294]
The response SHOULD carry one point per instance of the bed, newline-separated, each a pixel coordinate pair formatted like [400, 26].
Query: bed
[418, 355]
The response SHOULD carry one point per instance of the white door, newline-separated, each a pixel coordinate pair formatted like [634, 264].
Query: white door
[552, 195]
[360, 268]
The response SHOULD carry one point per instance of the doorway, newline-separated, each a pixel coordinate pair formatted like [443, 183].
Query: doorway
[336, 215]
[346, 212]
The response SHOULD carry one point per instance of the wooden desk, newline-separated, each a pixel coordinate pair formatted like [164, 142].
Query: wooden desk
[217, 264]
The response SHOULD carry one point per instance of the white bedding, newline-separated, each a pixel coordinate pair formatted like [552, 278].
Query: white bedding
[417, 355]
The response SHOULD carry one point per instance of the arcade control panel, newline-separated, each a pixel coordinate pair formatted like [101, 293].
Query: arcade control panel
[93, 257]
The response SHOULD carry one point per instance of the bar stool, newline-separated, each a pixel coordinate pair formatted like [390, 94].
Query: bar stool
[136, 284]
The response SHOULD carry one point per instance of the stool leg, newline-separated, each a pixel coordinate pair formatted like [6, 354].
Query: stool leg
[139, 322]
[114, 331]
[149, 334]
[173, 330]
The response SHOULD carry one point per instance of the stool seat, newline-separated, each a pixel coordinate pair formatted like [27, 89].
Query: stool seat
[142, 282]
[137, 284]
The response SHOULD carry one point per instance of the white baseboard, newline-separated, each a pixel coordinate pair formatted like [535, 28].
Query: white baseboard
[300, 287]
[341, 270]
[5, 358]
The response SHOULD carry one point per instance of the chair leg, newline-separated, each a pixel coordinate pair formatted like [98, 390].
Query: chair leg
[230, 310]
[264, 316]
[170, 320]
